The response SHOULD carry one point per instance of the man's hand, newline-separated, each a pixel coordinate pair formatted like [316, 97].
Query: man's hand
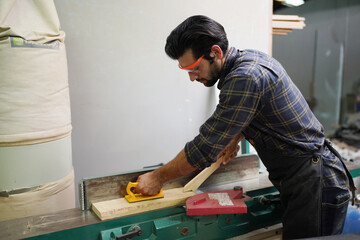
[231, 150]
[148, 184]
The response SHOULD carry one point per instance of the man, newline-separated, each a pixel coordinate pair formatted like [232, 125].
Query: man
[258, 102]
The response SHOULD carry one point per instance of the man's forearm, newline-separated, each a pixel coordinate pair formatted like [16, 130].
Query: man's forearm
[177, 167]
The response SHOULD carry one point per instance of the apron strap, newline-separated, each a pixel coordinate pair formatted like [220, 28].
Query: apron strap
[351, 181]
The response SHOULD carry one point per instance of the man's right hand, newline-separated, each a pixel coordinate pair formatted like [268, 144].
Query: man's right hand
[148, 184]
[151, 183]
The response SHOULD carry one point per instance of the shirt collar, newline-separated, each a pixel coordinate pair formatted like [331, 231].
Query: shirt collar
[230, 57]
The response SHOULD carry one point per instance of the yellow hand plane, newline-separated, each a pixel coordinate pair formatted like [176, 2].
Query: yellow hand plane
[136, 197]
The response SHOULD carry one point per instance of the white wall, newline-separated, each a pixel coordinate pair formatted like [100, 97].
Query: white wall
[131, 105]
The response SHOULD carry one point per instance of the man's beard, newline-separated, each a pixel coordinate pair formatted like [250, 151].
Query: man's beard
[213, 76]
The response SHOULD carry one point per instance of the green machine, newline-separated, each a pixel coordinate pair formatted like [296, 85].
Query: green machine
[261, 220]
[173, 223]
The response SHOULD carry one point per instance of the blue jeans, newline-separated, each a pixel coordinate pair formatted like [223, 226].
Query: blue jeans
[334, 206]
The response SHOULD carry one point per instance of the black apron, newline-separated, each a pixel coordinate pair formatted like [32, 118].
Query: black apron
[299, 181]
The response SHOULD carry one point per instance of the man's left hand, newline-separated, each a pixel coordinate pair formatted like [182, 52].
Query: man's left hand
[231, 150]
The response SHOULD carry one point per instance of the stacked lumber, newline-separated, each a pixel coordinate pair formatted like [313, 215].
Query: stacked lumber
[283, 24]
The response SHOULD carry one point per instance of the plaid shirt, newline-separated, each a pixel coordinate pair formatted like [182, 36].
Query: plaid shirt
[259, 99]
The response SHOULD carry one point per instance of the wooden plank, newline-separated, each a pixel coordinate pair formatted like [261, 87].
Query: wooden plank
[285, 24]
[287, 18]
[202, 176]
[121, 207]
[281, 31]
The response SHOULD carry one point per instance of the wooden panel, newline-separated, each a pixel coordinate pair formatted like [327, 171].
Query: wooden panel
[290, 24]
[108, 187]
[281, 31]
[287, 18]
[121, 207]
[238, 169]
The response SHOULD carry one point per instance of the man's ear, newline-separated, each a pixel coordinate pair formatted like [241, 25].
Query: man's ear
[216, 51]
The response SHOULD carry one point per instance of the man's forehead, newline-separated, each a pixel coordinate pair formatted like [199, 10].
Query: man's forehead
[188, 53]
[187, 58]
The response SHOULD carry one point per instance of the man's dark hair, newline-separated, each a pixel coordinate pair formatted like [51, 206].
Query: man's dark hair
[198, 33]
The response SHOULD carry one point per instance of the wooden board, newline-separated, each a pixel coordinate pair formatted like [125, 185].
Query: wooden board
[202, 176]
[289, 25]
[281, 31]
[121, 207]
[287, 18]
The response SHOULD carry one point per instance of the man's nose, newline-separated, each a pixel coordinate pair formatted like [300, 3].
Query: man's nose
[193, 76]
